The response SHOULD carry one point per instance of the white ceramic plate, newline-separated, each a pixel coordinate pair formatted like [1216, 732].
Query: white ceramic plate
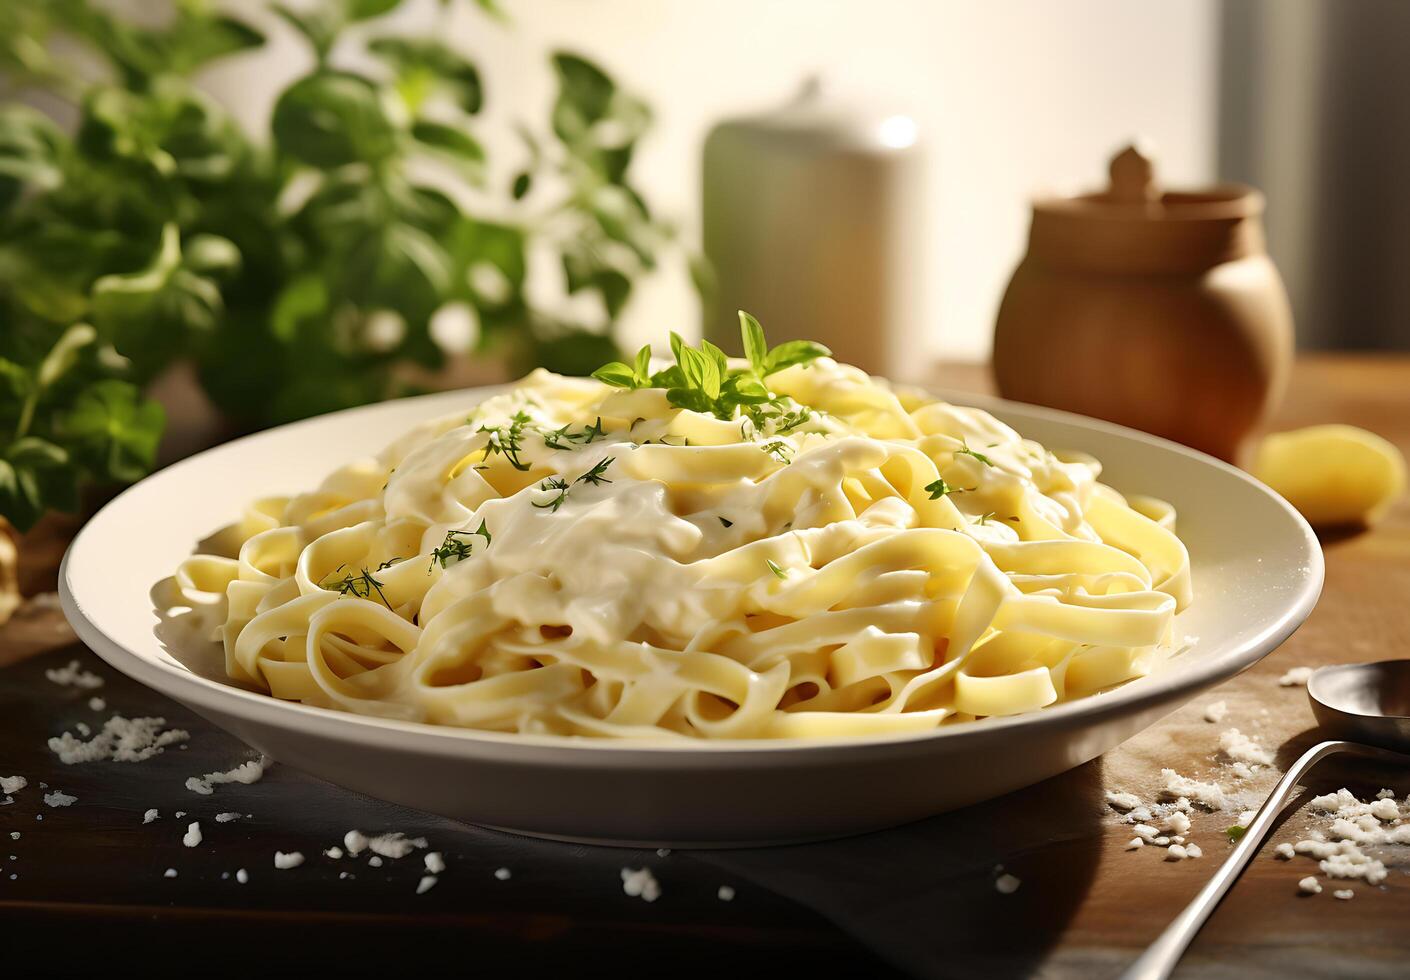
[1257, 574]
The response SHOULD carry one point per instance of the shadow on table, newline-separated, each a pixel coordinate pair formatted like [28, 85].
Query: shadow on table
[923, 896]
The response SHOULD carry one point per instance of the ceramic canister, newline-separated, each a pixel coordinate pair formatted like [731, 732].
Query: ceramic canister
[812, 222]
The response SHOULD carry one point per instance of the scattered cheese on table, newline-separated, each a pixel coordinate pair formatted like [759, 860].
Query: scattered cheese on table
[1296, 677]
[1240, 748]
[435, 864]
[1123, 802]
[502, 874]
[375, 861]
[1285, 851]
[355, 841]
[335, 852]
[1175, 852]
[12, 784]
[394, 845]
[121, 740]
[150, 815]
[725, 894]
[1134, 843]
[1006, 884]
[1215, 711]
[73, 675]
[284, 861]
[1345, 894]
[59, 798]
[226, 817]
[1310, 886]
[641, 883]
[242, 876]
[1193, 851]
[193, 835]
[249, 772]
[97, 704]
[1209, 795]
[426, 883]
[169, 873]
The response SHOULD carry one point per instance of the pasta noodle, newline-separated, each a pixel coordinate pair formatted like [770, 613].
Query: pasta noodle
[579, 559]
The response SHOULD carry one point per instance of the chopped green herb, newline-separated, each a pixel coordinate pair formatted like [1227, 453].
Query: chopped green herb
[389, 563]
[361, 585]
[773, 567]
[1235, 832]
[594, 475]
[505, 440]
[939, 489]
[551, 484]
[458, 546]
[984, 518]
[566, 438]
[779, 450]
[964, 450]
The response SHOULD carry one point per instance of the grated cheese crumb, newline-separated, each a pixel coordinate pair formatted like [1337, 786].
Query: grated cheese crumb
[1215, 711]
[395, 845]
[169, 873]
[59, 798]
[1006, 884]
[502, 874]
[248, 772]
[193, 835]
[1194, 851]
[426, 883]
[641, 883]
[226, 817]
[1122, 802]
[1210, 795]
[1175, 852]
[12, 784]
[284, 861]
[374, 861]
[242, 876]
[150, 815]
[355, 841]
[335, 852]
[725, 893]
[14, 835]
[1384, 809]
[121, 740]
[1285, 851]
[1345, 894]
[74, 675]
[1144, 832]
[1238, 747]
[97, 704]
[1296, 677]
[1134, 843]
[435, 864]
[1310, 886]
[1176, 823]
[1385, 794]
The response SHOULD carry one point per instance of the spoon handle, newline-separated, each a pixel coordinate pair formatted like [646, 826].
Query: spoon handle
[1159, 959]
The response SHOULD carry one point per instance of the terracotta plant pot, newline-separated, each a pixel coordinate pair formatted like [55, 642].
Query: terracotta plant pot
[1161, 311]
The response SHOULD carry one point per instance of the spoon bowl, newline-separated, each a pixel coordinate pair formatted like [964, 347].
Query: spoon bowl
[1367, 703]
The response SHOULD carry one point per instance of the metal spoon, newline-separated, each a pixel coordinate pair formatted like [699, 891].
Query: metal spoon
[1369, 703]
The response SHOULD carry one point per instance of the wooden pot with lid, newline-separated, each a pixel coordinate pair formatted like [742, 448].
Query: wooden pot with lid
[1157, 310]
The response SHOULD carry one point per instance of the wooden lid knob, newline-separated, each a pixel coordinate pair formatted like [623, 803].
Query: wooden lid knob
[1133, 177]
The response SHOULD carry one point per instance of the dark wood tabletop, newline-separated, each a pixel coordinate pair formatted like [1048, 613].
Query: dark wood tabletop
[85, 886]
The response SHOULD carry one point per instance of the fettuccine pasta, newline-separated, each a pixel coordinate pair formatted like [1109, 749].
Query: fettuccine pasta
[579, 559]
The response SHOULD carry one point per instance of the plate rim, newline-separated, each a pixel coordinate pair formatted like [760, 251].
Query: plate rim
[191, 688]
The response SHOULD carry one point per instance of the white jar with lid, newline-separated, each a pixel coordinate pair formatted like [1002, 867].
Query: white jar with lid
[813, 223]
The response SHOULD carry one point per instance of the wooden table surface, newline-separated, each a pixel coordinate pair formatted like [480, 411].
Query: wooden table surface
[85, 884]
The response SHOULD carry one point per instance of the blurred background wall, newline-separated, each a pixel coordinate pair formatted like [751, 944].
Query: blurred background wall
[1012, 98]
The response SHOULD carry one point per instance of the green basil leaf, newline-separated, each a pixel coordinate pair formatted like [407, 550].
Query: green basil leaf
[642, 367]
[454, 144]
[756, 348]
[616, 374]
[794, 352]
[118, 428]
[332, 119]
